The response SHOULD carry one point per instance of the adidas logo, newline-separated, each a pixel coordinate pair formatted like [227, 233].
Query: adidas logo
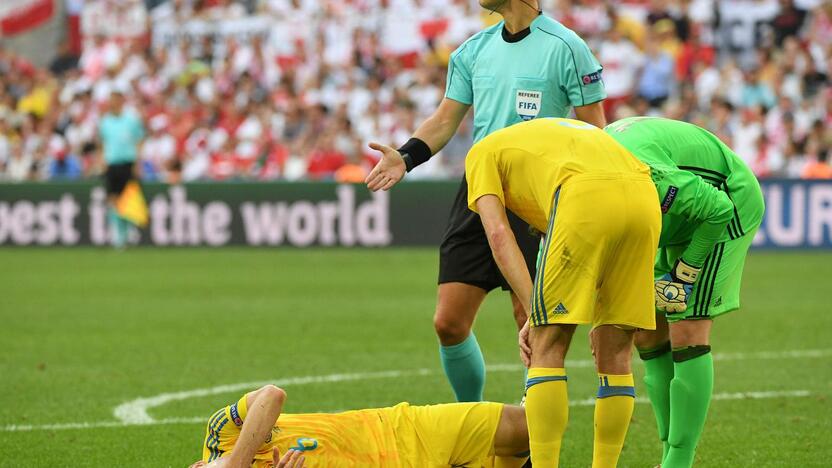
[718, 301]
[561, 309]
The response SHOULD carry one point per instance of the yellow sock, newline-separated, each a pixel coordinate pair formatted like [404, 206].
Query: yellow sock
[613, 410]
[547, 410]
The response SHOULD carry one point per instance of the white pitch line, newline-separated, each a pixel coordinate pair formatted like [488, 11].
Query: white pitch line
[136, 411]
[204, 419]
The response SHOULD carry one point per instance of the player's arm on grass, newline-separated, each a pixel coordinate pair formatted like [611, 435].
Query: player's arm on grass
[684, 194]
[429, 138]
[435, 132]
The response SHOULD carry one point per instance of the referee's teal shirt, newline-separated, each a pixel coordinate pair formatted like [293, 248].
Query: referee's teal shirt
[120, 136]
[544, 74]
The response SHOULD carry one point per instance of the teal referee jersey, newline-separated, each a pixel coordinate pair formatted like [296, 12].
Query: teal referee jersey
[512, 79]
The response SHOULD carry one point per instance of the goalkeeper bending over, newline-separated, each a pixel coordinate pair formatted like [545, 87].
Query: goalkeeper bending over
[254, 432]
[711, 206]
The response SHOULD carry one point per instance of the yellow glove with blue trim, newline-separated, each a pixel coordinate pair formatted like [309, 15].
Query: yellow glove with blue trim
[675, 288]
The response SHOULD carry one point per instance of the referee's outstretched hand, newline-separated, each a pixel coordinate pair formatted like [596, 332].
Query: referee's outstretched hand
[388, 171]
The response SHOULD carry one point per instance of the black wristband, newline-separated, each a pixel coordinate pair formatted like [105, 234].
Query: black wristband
[418, 150]
[408, 161]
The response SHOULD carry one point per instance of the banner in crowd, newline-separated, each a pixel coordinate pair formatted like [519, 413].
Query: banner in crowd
[19, 16]
[169, 34]
[799, 215]
[119, 21]
[743, 22]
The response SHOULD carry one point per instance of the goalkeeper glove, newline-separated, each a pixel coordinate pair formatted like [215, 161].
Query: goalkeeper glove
[674, 289]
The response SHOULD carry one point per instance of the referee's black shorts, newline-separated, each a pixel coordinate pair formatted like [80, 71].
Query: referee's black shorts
[465, 256]
[117, 176]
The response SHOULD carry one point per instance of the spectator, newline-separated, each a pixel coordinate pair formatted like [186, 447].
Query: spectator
[292, 99]
[756, 92]
[622, 62]
[20, 165]
[158, 150]
[656, 81]
[788, 21]
[818, 166]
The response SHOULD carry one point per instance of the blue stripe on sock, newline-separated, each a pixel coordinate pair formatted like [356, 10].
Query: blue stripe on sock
[605, 391]
[546, 378]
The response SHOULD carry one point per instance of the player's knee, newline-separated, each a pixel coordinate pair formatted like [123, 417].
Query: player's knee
[449, 330]
[690, 333]
[552, 336]
[650, 339]
[613, 349]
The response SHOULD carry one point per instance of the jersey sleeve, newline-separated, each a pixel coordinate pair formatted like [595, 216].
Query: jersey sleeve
[224, 428]
[459, 85]
[483, 176]
[684, 194]
[581, 73]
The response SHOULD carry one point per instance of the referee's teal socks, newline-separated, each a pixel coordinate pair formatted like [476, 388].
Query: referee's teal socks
[119, 228]
[465, 368]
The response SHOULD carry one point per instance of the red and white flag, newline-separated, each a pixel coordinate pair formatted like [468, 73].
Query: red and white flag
[18, 16]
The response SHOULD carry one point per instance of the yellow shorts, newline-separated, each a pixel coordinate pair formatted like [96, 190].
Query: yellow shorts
[597, 261]
[456, 434]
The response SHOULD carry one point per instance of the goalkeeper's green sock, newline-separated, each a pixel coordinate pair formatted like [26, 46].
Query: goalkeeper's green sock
[690, 396]
[465, 368]
[658, 372]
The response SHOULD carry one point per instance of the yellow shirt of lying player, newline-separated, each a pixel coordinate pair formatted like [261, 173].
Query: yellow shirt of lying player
[397, 437]
[525, 164]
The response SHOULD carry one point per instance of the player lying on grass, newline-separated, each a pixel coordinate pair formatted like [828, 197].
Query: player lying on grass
[597, 205]
[711, 208]
[254, 432]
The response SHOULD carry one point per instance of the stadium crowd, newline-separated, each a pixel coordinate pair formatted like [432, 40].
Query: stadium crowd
[294, 89]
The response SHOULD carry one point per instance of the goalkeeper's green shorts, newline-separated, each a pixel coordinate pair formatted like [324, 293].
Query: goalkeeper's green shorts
[718, 289]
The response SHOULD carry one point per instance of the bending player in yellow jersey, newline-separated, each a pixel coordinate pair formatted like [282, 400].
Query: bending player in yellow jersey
[254, 432]
[600, 212]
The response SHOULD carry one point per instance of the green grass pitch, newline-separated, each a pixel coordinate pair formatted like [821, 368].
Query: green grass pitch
[87, 330]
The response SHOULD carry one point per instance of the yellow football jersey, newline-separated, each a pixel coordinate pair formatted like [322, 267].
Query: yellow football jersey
[397, 437]
[524, 164]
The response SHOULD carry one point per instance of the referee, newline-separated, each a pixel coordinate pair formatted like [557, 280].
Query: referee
[525, 67]
[120, 132]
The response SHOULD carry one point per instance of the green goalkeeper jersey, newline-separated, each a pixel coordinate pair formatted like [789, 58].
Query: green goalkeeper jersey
[707, 193]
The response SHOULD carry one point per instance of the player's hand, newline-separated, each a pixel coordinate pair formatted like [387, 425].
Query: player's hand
[525, 347]
[291, 459]
[388, 171]
[675, 288]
